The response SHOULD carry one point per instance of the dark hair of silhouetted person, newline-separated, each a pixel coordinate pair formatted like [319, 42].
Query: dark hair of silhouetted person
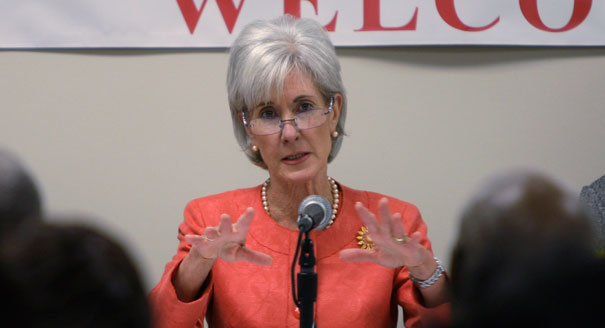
[55, 275]
[525, 257]
[20, 198]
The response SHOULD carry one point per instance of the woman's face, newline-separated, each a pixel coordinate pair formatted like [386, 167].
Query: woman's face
[296, 155]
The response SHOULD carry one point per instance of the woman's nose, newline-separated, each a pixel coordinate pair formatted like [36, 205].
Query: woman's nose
[289, 130]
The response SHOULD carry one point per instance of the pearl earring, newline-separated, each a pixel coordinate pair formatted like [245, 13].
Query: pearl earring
[254, 148]
[335, 134]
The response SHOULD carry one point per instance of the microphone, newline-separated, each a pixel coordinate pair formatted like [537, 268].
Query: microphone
[314, 212]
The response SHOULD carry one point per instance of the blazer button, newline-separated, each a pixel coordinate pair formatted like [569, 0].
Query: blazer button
[296, 312]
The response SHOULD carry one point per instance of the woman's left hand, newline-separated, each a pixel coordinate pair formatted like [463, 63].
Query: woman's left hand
[392, 246]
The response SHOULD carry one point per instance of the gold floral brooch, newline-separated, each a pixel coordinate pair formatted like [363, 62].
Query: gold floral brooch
[364, 239]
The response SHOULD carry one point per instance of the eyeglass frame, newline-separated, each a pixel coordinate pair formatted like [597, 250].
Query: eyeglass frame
[293, 120]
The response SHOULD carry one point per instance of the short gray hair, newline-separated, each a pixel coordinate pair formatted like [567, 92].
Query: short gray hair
[261, 57]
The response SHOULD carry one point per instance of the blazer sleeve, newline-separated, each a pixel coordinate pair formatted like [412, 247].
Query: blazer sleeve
[166, 308]
[415, 314]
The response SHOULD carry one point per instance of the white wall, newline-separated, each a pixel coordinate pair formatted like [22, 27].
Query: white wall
[127, 137]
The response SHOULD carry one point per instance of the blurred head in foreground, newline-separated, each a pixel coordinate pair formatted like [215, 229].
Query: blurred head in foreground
[20, 199]
[69, 276]
[524, 256]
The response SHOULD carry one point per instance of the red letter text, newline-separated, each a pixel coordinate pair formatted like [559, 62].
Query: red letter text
[447, 11]
[292, 7]
[529, 8]
[371, 19]
[192, 14]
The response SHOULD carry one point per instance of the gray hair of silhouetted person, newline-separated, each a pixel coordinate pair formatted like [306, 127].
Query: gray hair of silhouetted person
[20, 198]
[593, 197]
[261, 58]
[529, 203]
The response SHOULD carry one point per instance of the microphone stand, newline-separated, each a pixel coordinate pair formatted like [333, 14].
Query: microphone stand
[307, 283]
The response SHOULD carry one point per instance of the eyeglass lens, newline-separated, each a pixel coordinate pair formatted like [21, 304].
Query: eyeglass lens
[304, 120]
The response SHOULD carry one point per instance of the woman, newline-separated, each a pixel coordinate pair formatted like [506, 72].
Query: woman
[288, 107]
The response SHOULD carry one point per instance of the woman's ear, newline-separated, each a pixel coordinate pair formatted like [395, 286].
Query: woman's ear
[240, 115]
[336, 106]
[251, 136]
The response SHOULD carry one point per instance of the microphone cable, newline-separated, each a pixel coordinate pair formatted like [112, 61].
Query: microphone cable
[292, 271]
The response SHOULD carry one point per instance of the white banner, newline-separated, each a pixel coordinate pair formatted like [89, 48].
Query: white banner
[215, 23]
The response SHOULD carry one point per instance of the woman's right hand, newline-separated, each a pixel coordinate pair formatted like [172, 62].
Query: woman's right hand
[227, 241]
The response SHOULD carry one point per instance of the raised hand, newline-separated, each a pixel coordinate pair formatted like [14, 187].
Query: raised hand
[227, 241]
[392, 246]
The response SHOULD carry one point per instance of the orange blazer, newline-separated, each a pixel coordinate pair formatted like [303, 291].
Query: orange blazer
[349, 294]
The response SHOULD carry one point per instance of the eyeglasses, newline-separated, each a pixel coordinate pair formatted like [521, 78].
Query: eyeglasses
[269, 121]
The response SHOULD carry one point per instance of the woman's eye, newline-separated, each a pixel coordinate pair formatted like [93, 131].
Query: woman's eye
[268, 114]
[304, 107]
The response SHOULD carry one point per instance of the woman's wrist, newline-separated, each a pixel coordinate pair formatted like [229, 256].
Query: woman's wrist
[191, 275]
[425, 266]
[424, 280]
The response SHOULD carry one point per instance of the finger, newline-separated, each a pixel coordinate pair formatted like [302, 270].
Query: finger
[368, 218]
[197, 239]
[244, 221]
[415, 237]
[252, 256]
[211, 233]
[201, 242]
[357, 255]
[397, 228]
[385, 215]
[225, 224]
[193, 239]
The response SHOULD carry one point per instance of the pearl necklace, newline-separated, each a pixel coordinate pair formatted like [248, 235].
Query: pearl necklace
[335, 199]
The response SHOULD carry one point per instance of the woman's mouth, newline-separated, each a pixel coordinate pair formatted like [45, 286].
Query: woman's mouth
[295, 158]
